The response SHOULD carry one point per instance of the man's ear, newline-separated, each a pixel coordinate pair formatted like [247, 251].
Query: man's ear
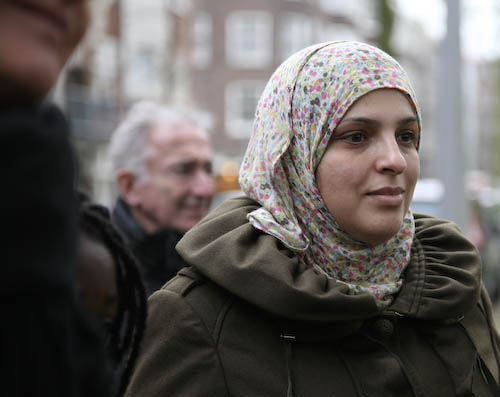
[127, 186]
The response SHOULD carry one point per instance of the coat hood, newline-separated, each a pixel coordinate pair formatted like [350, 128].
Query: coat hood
[441, 282]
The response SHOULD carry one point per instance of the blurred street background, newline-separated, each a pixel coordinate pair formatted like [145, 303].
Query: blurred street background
[218, 54]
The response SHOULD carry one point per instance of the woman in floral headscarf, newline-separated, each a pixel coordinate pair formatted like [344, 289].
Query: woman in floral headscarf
[321, 281]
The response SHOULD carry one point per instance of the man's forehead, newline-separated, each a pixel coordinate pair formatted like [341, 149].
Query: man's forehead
[178, 148]
[177, 134]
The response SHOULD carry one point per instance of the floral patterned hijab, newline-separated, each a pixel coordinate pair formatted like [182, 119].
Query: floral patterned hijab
[300, 107]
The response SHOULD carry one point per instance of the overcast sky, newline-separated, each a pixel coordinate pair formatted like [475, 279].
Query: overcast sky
[480, 32]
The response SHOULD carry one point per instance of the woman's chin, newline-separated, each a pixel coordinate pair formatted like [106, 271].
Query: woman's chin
[378, 233]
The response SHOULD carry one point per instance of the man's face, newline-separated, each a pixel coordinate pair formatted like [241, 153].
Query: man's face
[180, 187]
[36, 39]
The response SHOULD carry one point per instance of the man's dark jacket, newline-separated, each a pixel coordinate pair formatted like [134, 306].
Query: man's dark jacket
[156, 254]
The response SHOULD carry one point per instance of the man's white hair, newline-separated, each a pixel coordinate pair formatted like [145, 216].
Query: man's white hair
[129, 146]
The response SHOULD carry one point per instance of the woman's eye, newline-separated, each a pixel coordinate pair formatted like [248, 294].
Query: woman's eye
[408, 137]
[354, 138]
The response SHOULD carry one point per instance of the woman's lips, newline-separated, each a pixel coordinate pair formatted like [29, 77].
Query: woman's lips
[388, 195]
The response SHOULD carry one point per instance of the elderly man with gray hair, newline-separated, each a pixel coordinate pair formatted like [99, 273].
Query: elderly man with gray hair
[162, 164]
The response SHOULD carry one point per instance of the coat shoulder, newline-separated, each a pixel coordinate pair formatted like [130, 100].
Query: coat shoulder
[179, 350]
[208, 300]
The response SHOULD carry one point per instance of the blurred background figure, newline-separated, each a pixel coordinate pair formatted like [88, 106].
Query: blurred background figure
[484, 232]
[162, 163]
[110, 287]
[47, 346]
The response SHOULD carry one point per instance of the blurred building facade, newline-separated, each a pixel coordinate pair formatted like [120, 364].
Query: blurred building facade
[236, 45]
[217, 55]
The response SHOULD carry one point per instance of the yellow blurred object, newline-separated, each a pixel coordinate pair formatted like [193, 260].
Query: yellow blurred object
[228, 177]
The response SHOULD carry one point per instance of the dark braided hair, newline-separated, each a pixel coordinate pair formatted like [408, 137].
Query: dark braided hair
[127, 328]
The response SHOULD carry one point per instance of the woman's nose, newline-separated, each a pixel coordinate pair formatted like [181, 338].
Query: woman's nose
[389, 157]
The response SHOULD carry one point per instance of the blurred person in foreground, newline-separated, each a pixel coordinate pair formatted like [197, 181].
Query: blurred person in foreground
[162, 163]
[321, 281]
[111, 288]
[47, 346]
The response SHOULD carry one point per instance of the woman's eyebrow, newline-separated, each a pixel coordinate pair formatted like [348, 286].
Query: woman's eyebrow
[408, 120]
[362, 120]
[366, 120]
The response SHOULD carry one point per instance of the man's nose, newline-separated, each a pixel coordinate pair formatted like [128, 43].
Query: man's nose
[203, 184]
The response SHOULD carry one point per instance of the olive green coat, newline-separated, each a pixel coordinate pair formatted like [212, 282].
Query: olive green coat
[248, 320]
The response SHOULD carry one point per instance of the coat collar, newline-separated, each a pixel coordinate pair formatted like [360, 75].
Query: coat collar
[441, 282]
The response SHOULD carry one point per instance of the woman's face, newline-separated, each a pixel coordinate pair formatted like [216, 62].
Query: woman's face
[36, 39]
[369, 170]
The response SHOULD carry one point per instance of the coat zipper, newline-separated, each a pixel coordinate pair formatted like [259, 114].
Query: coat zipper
[288, 339]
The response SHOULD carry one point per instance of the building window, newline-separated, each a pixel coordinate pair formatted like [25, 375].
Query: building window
[141, 78]
[295, 33]
[249, 38]
[337, 7]
[241, 101]
[202, 40]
